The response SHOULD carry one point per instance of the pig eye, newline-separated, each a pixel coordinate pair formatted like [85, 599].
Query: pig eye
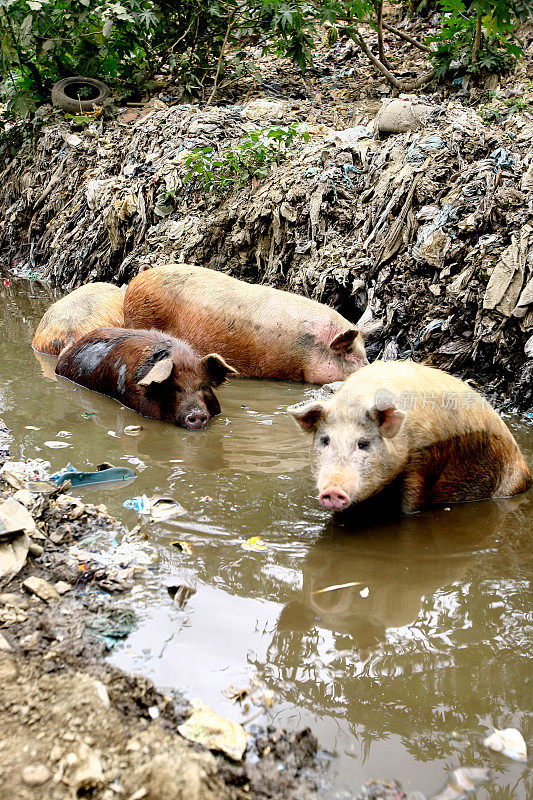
[324, 441]
[363, 444]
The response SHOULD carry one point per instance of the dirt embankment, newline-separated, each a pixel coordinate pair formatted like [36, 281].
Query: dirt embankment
[431, 228]
[72, 726]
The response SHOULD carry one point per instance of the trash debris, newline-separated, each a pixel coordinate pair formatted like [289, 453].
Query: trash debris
[157, 507]
[111, 627]
[18, 473]
[56, 445]
[508, 741]
[180, 594]
[463, 781]
[133, 430]
[254, 543]
[185, 547]
[211, 730]
[41, 588]
[106, 475]
[337, 586]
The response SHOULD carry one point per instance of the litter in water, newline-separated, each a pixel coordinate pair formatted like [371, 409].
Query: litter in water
[508, 741]
[57, 445]
[133, 430]
[185, 547]
[105, 475]
[156, 507]
[337, 586]
[254, 543]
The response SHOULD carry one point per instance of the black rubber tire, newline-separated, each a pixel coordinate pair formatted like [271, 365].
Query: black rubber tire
[64, 94]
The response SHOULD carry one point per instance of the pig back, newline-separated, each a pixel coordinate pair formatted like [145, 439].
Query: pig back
[88, 307]
[261, 331]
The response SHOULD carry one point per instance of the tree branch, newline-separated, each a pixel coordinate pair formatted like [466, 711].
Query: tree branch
[407, 38]
[392, 79]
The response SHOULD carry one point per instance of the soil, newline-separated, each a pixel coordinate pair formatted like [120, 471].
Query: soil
[73, 726]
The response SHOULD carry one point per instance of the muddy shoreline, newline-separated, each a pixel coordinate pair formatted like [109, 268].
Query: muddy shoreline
[75, 725]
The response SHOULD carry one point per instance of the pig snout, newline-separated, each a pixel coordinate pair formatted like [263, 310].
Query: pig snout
[196, 420]
[334, 498]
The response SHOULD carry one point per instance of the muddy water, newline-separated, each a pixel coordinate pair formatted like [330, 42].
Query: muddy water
[399, 676]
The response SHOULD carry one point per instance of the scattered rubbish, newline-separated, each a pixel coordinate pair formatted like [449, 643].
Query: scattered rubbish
[501, 158]
[41, 588]
[109, 628]
[180, 594]
[133, 430]
[17, 473]
[157, 507]
[185, 547]
[206, 499]
[463, 781]
[211, 730]
[32, 428]
[88, 414]
[419, 150]
[106, 475]
[56, 445]
[153, 711]
[508, 741]
[376, 789]
[365, 592]
[337, 586]
[254, 543]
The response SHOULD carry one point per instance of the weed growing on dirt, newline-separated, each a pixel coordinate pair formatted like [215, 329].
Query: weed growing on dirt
[222, 173]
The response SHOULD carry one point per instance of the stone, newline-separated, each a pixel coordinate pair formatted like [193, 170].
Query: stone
[35, 774]
[41, 588]
[400, 116]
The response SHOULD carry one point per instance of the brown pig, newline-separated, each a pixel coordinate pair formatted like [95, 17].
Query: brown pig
[263, 332]
[86, 308]
[402, 423]
[148, 371]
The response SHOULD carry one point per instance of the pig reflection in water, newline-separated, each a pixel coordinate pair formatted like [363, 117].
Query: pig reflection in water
[410, 559]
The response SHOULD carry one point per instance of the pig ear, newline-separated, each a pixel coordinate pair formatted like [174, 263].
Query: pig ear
[389, 420]
[309, 415]
[159, 372]
[342, 343]
[216, 369]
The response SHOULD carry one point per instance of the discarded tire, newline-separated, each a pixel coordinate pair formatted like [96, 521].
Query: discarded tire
[79, 94]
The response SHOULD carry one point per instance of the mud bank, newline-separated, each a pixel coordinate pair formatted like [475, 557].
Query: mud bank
[429, 229]
[75, 726]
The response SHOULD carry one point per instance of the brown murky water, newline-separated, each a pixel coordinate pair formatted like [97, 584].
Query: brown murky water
[399, 676]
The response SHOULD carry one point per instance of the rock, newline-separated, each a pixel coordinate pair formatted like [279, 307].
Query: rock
[62, 587]
[13, 556]
[35, 774]
[4, 644]
[400, 116]
[14, 517]
[44, 590]
[36, 550]
[86, 771]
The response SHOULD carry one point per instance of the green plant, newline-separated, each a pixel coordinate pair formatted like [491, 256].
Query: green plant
[253, 158]
[478, 35]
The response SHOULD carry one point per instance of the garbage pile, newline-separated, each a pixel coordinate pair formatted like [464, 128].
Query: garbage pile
[423, 215]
